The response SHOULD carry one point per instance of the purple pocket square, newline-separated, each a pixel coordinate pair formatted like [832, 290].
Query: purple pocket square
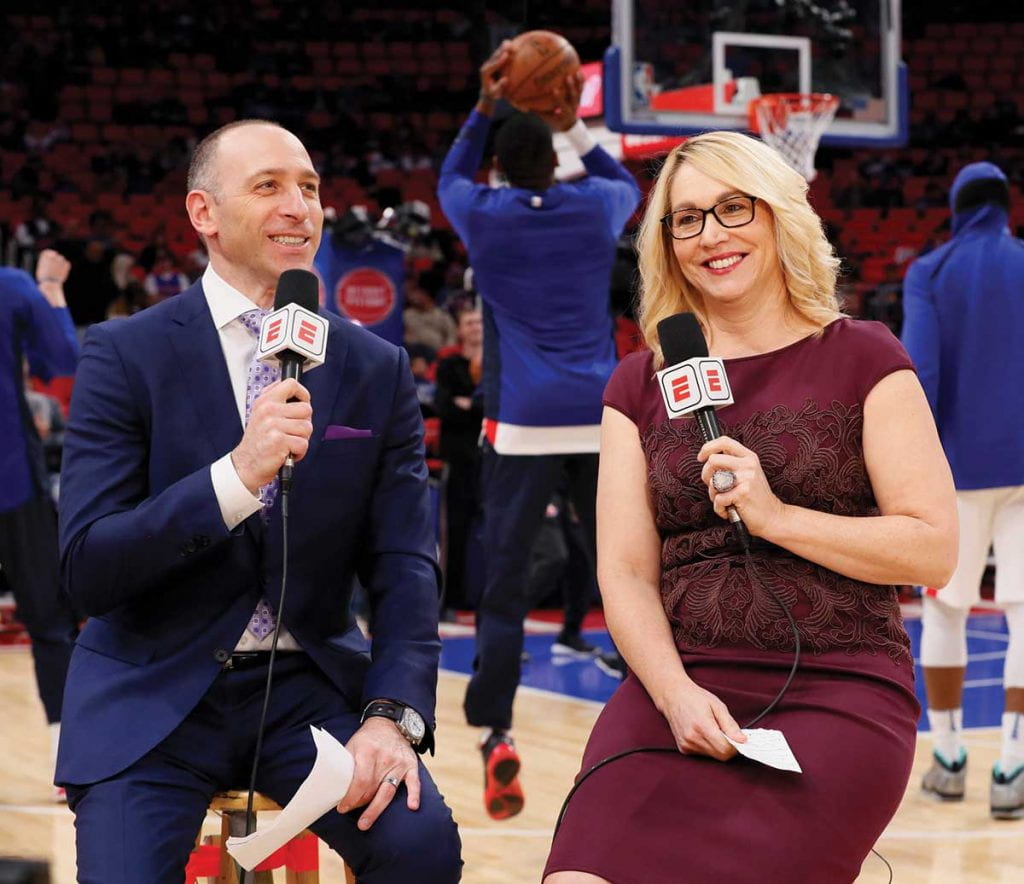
[337, 431]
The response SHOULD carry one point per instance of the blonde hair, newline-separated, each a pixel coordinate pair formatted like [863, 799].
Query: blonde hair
[809, 264]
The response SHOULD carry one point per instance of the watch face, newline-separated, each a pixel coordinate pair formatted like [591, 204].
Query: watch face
[413, 725]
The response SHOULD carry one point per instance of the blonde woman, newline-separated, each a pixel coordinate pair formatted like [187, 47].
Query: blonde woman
[842, 483]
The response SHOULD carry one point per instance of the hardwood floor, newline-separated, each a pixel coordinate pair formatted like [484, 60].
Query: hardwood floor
[927, 842]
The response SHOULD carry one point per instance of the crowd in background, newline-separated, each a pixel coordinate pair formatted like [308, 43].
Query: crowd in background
[375, 131]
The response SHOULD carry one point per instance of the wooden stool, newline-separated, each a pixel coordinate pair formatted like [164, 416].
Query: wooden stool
[299, 857]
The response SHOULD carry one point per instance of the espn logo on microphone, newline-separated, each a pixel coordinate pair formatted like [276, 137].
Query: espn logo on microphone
[296, 329]
[697, 383]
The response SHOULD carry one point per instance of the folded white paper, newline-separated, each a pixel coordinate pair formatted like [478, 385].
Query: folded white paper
[325, 786]
[768, 747]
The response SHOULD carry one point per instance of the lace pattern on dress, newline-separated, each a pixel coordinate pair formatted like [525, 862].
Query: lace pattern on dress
[812, 457]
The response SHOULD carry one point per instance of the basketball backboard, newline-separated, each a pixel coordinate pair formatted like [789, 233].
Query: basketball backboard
[686, 67]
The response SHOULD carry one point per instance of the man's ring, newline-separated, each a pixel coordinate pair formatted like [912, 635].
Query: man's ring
[723, 480]
[391, 781]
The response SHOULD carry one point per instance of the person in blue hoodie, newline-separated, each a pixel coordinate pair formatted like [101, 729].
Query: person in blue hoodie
[964, 328]
[542, 254]
[35, 325]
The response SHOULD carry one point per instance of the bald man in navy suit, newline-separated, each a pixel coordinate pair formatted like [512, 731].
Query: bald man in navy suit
[171, 542]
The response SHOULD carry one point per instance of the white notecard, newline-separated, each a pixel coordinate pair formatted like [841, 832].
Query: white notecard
[768, 747]
[327, 783]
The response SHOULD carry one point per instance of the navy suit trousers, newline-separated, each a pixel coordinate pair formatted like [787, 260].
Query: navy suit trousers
[141, 824]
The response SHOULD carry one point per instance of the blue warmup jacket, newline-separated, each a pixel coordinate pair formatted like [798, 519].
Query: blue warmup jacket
[964, 329]
[542, 262]
[30, 327]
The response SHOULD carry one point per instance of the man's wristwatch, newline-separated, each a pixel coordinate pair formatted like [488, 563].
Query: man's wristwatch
[409, 721]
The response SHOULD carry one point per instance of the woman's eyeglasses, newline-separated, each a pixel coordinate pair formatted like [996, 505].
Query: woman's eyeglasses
[732, 212]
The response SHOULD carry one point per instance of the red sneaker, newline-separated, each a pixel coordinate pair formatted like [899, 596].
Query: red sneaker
[503, 796]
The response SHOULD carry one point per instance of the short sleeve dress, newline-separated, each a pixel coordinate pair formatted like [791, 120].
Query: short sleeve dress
[850, 713]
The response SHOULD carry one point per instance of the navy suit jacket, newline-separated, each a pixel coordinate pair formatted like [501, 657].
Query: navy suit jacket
[169, 589]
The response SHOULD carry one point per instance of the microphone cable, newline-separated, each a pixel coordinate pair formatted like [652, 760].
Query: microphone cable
[744, 539]
[250, 819]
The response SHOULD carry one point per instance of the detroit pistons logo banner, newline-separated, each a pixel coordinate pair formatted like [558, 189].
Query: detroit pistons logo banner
[364, 286]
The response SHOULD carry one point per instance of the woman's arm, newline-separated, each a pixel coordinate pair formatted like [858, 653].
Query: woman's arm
[913, 541]
[629, 573]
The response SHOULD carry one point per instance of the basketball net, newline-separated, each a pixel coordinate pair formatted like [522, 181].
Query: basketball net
[793, 123]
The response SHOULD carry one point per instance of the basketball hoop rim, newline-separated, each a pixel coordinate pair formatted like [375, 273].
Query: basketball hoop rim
[816, 102]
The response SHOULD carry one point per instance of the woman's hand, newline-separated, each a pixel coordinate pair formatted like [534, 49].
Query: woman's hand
[750, 493]
[700, 721]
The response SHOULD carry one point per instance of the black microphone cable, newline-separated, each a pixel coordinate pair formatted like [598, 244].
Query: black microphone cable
[250, 819]
[674, 750]
[300, 287]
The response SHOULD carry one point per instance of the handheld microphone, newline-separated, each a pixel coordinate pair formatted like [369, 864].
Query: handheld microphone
[295, 335]
[693, 382]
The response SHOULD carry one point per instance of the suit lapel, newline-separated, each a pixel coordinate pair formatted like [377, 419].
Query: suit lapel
[201, 362]
[324, 384]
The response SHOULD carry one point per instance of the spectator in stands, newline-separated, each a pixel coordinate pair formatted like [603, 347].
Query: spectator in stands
[153, 249]
[963, 328]
[885, 302]
[423, 365]
[90, 285]
[425, 322]
[34, 320]
[131, 294]
[48, 420]
[459, 404]
[37, 232]
[165, 280]
[542, 254]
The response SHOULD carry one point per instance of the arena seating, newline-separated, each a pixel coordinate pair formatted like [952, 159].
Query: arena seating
[379, 93]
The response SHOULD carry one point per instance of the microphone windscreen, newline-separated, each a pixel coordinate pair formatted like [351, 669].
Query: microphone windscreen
[300, 287]
[681, 338]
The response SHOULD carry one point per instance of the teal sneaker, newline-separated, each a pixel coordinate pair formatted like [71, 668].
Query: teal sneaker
[1006, 794]
[946, 780]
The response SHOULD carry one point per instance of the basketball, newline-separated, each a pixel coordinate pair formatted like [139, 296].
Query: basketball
[542, 60]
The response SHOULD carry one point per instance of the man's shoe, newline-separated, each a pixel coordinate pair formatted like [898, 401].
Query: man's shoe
[1006, 794]
[503, 796]
[944, 780]
[572, 644]
[611, 664]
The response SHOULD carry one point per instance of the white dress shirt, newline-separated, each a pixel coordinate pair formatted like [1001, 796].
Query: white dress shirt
[237, 503]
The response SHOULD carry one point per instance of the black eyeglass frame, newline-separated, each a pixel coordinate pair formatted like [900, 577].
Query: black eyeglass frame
[667, 219]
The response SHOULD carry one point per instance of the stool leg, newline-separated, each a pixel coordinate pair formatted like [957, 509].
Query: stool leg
[234, 824]
[228, 871]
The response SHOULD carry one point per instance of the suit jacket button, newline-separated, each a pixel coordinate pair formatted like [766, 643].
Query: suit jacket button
[221, 656]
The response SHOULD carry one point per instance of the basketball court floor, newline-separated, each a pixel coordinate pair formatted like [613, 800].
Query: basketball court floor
[928, 842]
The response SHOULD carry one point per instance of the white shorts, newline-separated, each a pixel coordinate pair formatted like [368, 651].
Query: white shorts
[989, 517]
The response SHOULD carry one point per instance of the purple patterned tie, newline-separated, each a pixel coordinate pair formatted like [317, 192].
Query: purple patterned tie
[261, 375]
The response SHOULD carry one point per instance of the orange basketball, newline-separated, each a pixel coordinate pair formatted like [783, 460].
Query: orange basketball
[542, 60]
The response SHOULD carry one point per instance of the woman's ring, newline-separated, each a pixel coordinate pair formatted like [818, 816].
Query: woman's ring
[723, 480]
[391, 781]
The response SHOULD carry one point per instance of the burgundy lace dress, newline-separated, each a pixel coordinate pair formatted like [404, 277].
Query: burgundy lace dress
[850, 714]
